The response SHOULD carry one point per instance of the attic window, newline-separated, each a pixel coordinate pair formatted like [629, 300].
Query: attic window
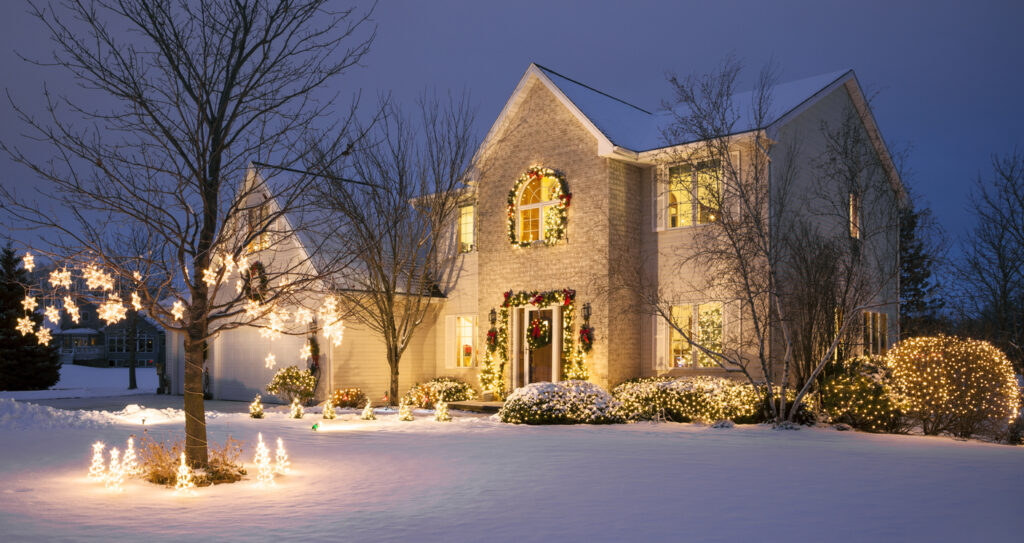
[257, 226]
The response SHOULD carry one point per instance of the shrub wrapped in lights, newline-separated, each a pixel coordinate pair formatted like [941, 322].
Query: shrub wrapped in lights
[688, 399]
[960, 386]
[256, 408]
[447, 389]
[292, 384]
[859, 394]
[348, 397]
[565, 402]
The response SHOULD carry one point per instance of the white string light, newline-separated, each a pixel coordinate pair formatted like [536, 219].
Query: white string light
[183, 482]
[71, 309]
[281, 463]
[97, 470]
[28, 261]
[112, 310]
[264, 473]
[43, 335]
[26, 326]
[52, 314]
[60, 278]
[270, 360]
[29, 303]
[178, 310]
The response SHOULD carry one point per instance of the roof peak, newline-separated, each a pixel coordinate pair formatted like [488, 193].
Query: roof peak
[588, 87]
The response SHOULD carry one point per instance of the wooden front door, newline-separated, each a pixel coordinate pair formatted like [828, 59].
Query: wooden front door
[540, 359]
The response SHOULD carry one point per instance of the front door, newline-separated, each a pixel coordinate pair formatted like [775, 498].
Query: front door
[540, 359]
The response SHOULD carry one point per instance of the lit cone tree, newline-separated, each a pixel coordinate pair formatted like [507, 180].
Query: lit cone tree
[281, 463]
[404, 412]
[329, 409]
[441, 412]
[129, 461]
[25, 364]
[256, 408]
[98, 469]
[368, 412]
[264, 471]
[296, 409]
[207, 86]
[115, 472]
[183, 481]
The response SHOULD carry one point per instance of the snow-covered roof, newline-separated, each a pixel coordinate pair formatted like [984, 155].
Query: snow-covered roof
[637, 129]
[77, 331]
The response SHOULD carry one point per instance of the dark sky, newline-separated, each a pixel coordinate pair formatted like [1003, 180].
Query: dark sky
[950, 75]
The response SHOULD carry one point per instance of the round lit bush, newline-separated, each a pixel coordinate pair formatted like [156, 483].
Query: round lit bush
[687, 399]
[566, 402]
[447, 389]
[858, 394]
[291, 383]
[960, 386]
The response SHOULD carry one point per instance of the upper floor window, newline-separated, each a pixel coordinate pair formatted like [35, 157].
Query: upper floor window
[467, 236]
[537, 201]
[704, 324]
[694, 193]
[876, 333]
[257, 219]
[854, 215]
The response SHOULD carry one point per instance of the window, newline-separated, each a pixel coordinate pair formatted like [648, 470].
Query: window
[466, 233]
[854, 212]
[465, 341]
[116, 344]
[257, 216]
[144, 343]
[876, 333]
[703, 323]
[536, 202]
[694, 195]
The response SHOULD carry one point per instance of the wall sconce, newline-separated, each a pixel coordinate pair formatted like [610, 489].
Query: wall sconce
[586, 312]
[492, 316]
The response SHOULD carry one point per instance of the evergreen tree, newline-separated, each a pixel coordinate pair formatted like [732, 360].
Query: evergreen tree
[24, 363]
[919, 303]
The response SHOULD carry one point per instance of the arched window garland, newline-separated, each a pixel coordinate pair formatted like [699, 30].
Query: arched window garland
[555, 220]
[258, 292]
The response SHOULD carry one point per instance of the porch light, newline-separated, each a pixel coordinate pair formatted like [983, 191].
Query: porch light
[586, 312]
[492, 316]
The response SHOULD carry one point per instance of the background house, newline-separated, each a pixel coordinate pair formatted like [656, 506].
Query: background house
[90, 342]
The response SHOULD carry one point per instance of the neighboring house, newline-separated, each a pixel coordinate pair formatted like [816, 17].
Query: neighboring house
[612, 157]
[90, 342]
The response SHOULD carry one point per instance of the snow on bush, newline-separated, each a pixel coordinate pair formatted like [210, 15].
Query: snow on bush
[960, 386]
[689, 399]
[447, 389]
[17, 415]
[566, 402]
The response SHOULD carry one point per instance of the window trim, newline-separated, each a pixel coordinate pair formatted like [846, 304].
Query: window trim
[693, 191]
[460, 230]
[538, 205]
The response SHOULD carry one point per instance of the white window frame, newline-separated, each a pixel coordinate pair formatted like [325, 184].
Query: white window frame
[460, 230]
[662, 195]
[452, 354]
[663, 355]
[539, 205]
[856, 215]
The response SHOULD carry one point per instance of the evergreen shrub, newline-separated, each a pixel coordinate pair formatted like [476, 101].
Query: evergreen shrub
[446, 389]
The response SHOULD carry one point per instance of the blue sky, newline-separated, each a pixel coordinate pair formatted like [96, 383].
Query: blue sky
[948, 75]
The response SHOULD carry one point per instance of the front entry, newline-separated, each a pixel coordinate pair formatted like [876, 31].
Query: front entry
[540, 359]
[542, 363]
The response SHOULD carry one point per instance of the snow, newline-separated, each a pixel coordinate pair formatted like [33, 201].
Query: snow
[476, 479]
[86, 382]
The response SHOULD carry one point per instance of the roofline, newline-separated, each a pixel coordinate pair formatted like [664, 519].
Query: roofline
[584, 85]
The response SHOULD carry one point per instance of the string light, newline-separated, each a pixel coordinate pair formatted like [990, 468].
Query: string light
[52, 314]
[29, 303]
[329, 409]
[112, 310]
[303, 316]
[209, 277]
[441, 412]
[97, 470]
[60, 278]
[178, 310]
[296, 409]
[129, 462]
[253, 309]
[136, 301]
[43, 335]
[239, 285]
[71, 309]
[28, 261]
[256, 408]
[96, 279]
[264, 472]
[270, 360]
[305, 352]
[281, 463]
[183, 482]
[368, 412]
[115, 472]
[26, 326]
[243, 265]
[404, 413]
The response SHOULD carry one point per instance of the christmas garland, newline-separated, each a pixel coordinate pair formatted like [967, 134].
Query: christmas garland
[586, 338]
[574, 366]
[554, 221]
[255, 293]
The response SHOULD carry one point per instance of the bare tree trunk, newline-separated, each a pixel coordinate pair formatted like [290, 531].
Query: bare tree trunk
[195, 414]
[133, 347]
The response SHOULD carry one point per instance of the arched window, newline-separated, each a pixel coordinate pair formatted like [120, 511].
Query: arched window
[536, 201]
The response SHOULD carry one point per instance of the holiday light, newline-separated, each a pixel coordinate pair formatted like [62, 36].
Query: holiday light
[303, 316]
[96, 278]
[71, 309]
[305, 352]
[253, 309]
[368, 412]
[115, 473]
[281, 463]
[178, 310]
[256, 408]
[275, 324]
[209, 277]
[97, 470]
[183, 483]
[137, 276]
[29, 303]
[296, 409]
[129, 462]
[26, 326]
[112, 310]
[28, 261]
[60, 278]
[264, 473]
[404, 413]
[270, 360]
[52, 314]
[43, 335]
[243, 265]
[136, 301]
[329, 409]
[441, 412]
[229, 264]
[239, 286]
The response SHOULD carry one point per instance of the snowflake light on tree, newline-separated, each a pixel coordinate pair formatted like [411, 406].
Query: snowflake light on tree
[60, 278]
[183, 482]
[281, 463]
[264, 472]
[26, 326]
[71, 309]
[97, 279]
[136, 301]
[43, 335]
[52, 314]
[270, 360]
[115, 472]
[29, 303]
[305, 352]
[178, 310]
[210, 277]
[28, 261]
[112, 310]
[303, 316]
[98, 469]
[253, 309]
[243, 265]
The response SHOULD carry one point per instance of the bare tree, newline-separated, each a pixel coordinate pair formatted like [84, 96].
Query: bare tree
[197, 90]
[397, 237]
[772, 233]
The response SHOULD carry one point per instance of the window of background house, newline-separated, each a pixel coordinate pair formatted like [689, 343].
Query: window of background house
[694, 195]
[465, 342]
[854, 212]
[876, 333]
[703, 323]
[536, 202]
[466, 230]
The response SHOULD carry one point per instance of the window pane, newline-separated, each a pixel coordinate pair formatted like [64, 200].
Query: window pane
[709, 322]
[682, 351]
[464, 337]
[466, 229]
[529, 224]
[708, 197]
[531, 193]
[547, 189]
[883, 333]
[680, 199]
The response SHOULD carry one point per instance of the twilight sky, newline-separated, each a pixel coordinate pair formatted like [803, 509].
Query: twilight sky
[949, 74]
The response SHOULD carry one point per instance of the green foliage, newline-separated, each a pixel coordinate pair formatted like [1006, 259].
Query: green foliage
[446, 389]
[565, 402]
[919, 303]
[291, 383]
[688, 399]
[348, 397]
[24, 363]
[857, 393]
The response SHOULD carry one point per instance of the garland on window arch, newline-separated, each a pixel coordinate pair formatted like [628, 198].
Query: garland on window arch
[555, 222]
[256, 273]
[574, 365]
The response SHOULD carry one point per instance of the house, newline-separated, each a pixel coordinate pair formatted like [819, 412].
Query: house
[90, 342]
[570, 178]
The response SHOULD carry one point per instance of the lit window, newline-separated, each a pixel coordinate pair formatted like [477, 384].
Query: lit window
[854, 216]
[536, 202]
[466, 233]
[465, 334]
[694, 195]
[703, 323]
[876, 333]
[257, 218]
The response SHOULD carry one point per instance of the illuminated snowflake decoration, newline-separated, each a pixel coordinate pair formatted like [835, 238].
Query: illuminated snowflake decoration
[335, 331]
[305, 352]
[243, 264]
[253, 309]
[71, 309]
[112, 310]
[52, 314]
[136, 301]
[29, 303]
[209, 277]
[239, 285]
[60, 278]
[229, 264]
[28, 261]
[97, 279]
[26, 326]
[43, 335]
[270, 360]
[303, 316]
[178, 310]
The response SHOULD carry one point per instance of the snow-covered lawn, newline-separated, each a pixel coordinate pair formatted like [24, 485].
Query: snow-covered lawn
[476, 479]
[86, 382]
